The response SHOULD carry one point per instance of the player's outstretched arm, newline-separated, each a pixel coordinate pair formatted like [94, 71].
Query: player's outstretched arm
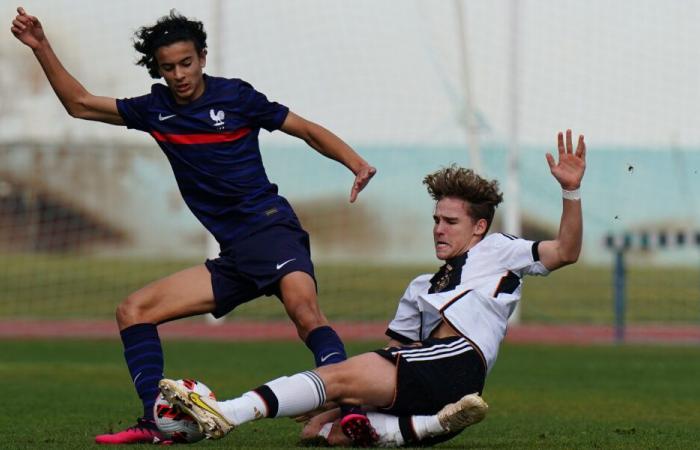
[568, 170]
[331, 146]
[74, 97]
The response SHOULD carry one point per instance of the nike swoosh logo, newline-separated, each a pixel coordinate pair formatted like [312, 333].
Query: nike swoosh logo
[196, 399]
[324, 358]
[279, 266]
[162, 117]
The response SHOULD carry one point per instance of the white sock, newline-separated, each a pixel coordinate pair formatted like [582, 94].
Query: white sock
[325, 430]
[249, 406]
[293, 395]
[387, 427]
[298, 394]
[426, 426]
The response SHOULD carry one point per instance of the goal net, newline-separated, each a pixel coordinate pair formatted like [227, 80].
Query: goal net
[90, 212]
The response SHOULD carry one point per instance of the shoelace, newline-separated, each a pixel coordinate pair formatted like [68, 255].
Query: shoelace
[142, 424]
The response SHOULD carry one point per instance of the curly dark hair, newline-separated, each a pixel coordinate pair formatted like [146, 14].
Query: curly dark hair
[482, 196]
[168, 30]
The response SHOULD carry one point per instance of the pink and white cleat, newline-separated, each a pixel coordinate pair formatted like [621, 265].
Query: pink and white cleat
[144, 432]
[359, 429]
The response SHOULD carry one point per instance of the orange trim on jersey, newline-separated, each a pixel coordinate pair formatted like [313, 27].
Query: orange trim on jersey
[454, 299]
[500, 283]
[205, 138]
[495, 292]
[396, 387]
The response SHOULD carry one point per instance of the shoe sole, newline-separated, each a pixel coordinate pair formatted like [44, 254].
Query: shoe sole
[211, 422]
[467, 411]
[359, 430]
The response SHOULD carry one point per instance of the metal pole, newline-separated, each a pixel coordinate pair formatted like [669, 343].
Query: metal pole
[512, 220]
[512, 204]
[212, 248]
[470, 123]
[619, 292]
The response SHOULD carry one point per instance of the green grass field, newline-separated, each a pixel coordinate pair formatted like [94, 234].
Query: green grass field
[64, 286]
[59, 394]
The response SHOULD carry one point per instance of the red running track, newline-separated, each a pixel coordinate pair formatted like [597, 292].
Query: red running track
[234, 330]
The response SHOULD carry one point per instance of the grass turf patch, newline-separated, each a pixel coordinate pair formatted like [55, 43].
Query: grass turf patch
[62, 393]
[78, 287]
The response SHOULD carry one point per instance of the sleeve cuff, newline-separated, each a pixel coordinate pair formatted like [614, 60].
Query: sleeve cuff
[536, 251]
[398, 337]
[279, 119]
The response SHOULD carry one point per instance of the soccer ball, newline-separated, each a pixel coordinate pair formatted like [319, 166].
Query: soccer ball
[173, 422]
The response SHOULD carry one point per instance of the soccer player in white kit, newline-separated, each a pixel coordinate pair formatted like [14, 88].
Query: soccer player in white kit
[447, 330]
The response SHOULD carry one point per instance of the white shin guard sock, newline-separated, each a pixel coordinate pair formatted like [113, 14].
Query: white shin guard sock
[387, 427]
[285, 397]
[248, 407]
[298, 394]
[426, 426]
[389, 430]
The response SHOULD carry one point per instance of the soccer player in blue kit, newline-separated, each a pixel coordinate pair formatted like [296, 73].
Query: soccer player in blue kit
[208, 129]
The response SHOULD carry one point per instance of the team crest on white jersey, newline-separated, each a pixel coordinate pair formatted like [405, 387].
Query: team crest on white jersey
[217, 117]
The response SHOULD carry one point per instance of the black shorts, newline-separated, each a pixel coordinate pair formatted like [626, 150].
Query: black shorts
[256, 264]
[433, 374]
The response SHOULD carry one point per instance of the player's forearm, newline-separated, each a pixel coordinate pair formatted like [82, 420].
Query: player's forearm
[570, 231]
[68, 90]
[331, 146]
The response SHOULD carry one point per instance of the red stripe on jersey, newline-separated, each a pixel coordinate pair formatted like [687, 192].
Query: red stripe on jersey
[209, 138]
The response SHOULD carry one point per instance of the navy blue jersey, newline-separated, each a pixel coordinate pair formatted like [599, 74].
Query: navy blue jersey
[212, 146]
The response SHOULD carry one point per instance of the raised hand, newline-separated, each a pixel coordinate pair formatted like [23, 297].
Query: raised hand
[27, 29]
[569, 170]
[361, 179]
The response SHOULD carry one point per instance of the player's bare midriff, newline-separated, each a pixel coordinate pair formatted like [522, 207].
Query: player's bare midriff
[444, 330]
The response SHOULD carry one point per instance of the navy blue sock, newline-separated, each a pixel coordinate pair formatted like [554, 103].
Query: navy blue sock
[350, 409]
[144, 357]
[326, 346]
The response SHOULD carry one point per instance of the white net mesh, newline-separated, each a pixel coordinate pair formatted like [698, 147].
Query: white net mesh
[90, 212]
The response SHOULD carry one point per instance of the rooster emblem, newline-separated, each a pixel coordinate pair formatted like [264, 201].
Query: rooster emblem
[217, 117]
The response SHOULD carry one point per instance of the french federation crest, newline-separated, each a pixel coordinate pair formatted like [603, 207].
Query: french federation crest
[217, 117]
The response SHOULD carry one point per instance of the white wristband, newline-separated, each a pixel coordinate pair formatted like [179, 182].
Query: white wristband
[571, 195]
[325, 430]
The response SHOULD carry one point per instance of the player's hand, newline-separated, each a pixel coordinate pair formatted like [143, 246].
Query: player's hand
[569, 170]
[27, 29]
[361, 179]
[323, 409]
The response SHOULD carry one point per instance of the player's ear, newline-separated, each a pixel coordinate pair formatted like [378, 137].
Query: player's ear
[203, 58]
[480, 227]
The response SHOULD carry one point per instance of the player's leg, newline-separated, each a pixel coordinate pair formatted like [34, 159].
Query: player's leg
[426, 382]
[298, 294]
[183, 294]
[278, 261]
[397, 431]
[364, 379]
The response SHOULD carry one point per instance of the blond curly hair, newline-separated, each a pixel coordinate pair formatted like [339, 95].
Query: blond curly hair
[481, 196]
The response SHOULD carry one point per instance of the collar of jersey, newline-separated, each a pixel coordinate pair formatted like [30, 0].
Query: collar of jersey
[458, 261]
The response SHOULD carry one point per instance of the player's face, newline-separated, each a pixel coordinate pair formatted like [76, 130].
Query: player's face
[181, 67]
[455, 231]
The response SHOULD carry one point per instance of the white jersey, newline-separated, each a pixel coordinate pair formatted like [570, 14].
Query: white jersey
[478, 302]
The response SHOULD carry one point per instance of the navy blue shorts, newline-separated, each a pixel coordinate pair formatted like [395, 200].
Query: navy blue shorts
[256, 264]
